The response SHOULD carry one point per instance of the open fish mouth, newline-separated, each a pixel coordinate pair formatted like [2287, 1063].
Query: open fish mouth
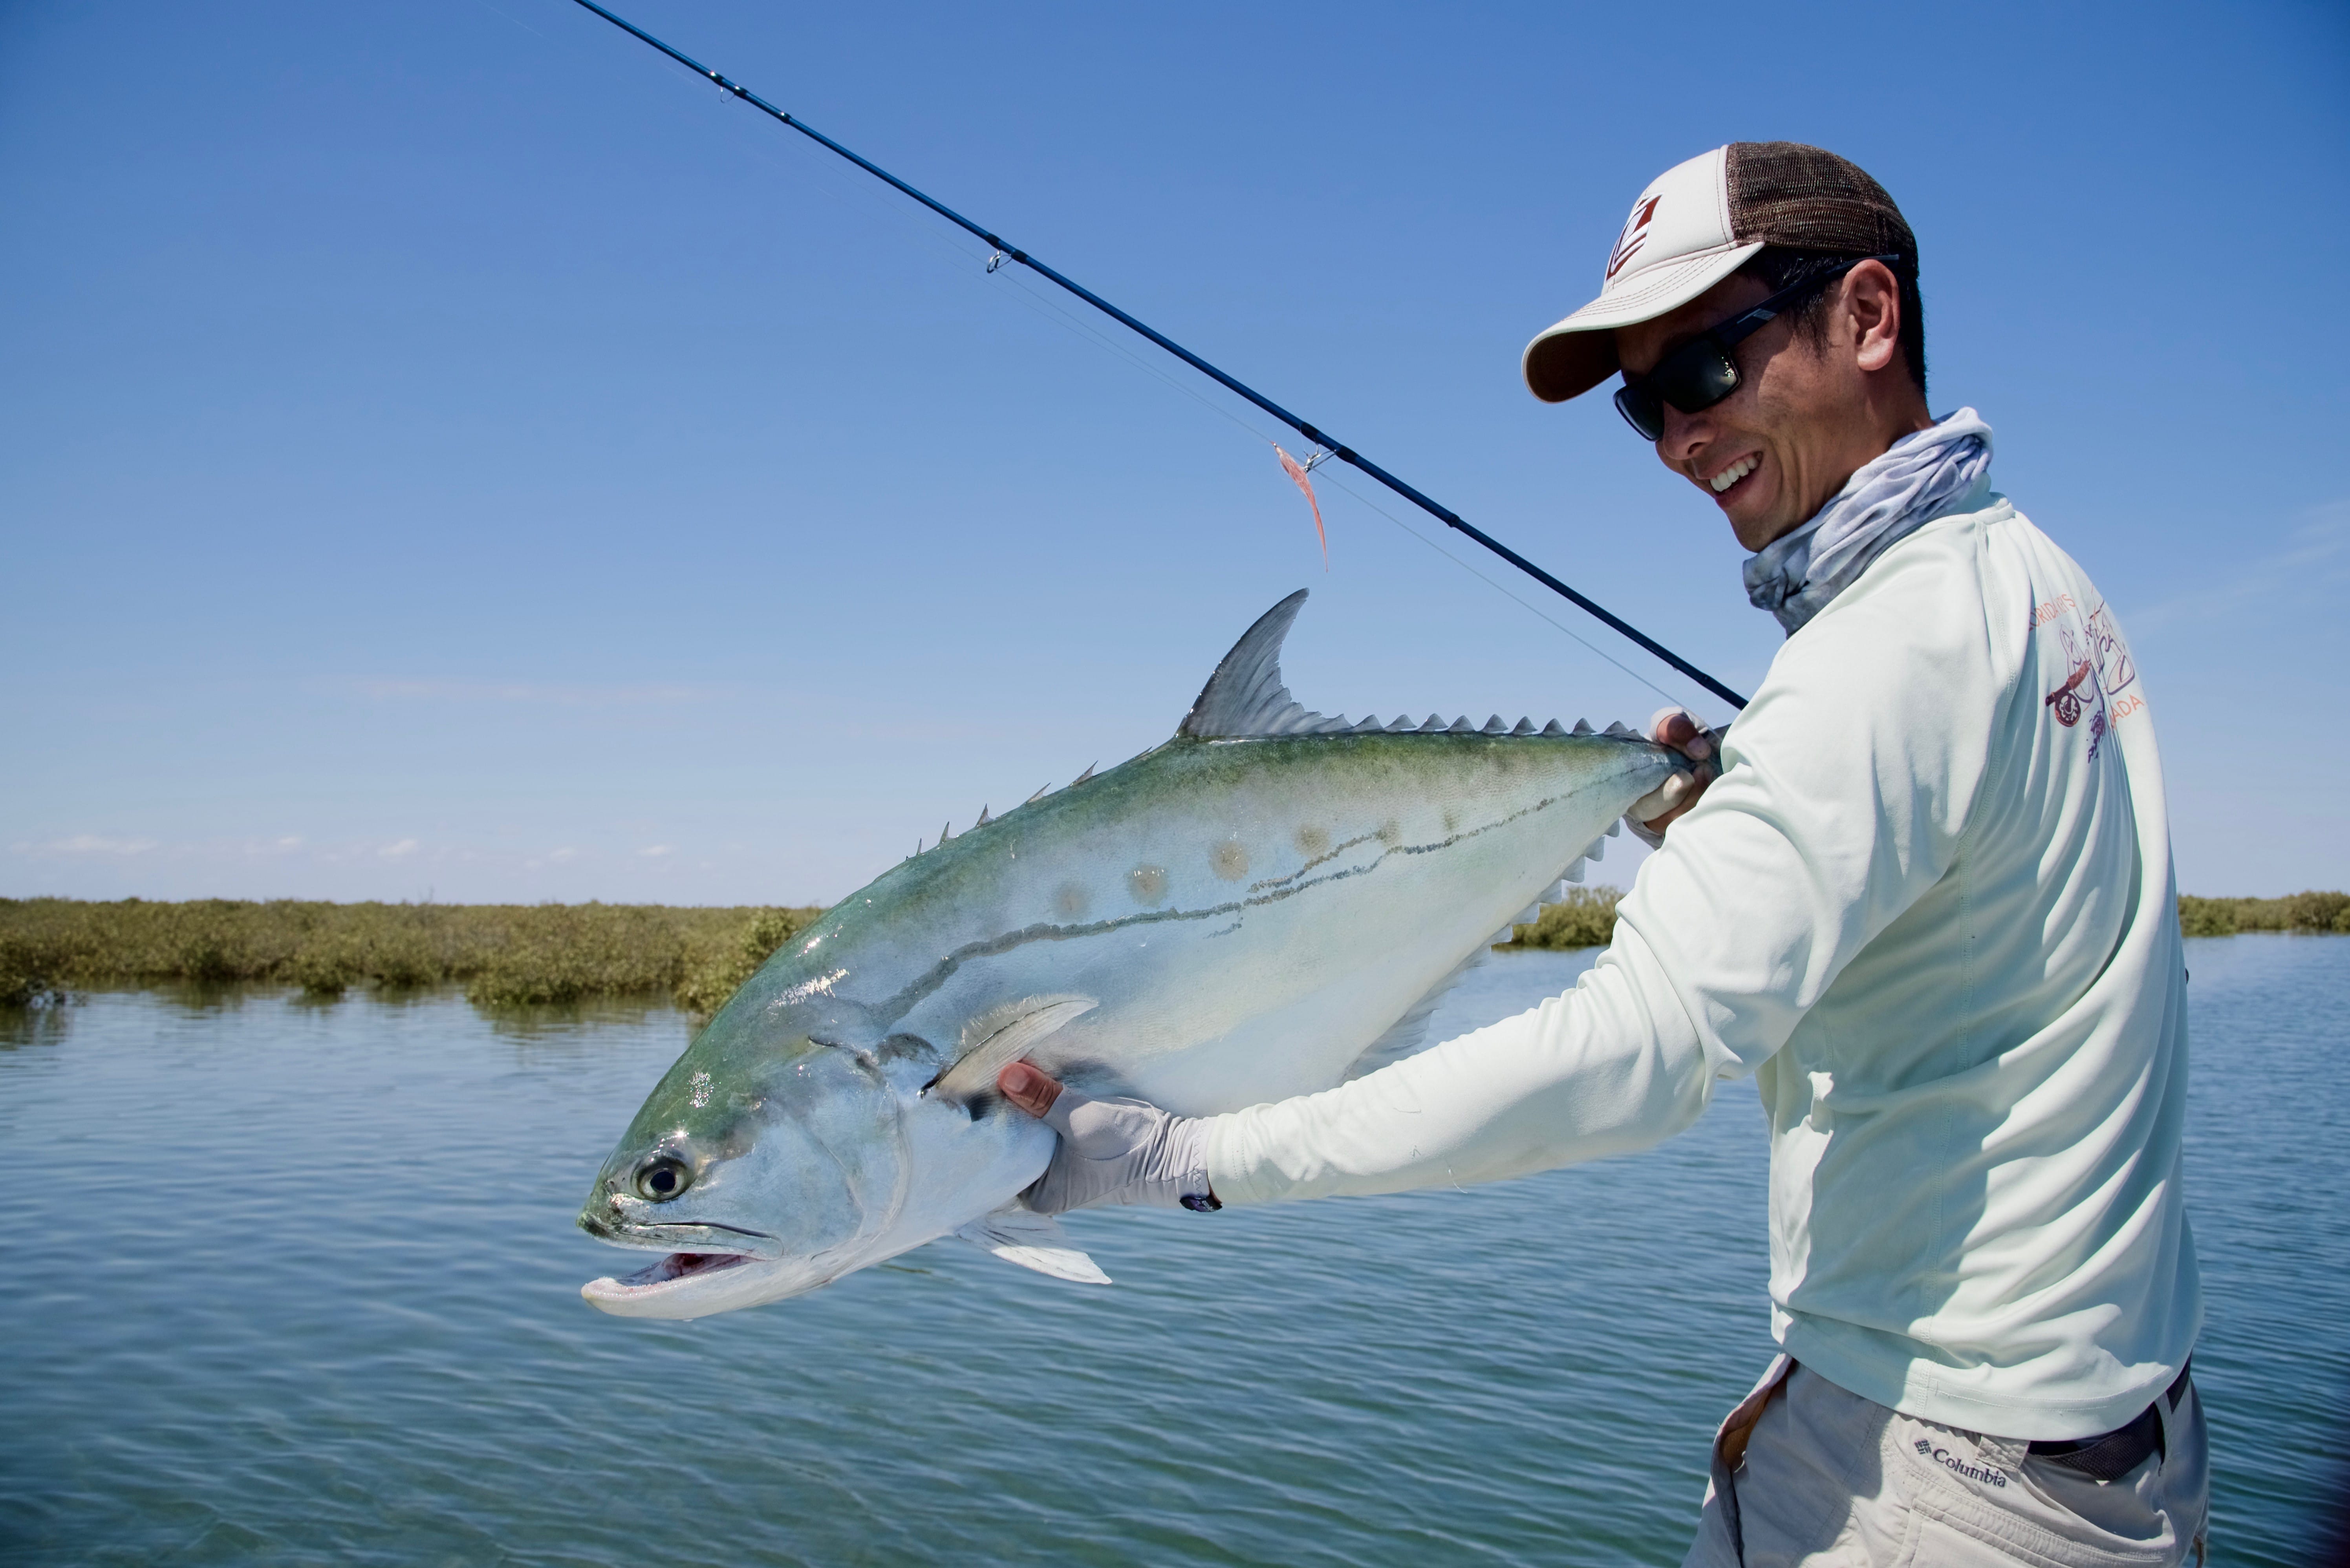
[703, 1284]
[705, 1273]
[680, 1266]
[689, 1285]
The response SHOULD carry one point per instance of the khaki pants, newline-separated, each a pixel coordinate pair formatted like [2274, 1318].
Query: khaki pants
[1806, 1473]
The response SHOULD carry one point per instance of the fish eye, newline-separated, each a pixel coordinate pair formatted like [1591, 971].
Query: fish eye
[662, 1178]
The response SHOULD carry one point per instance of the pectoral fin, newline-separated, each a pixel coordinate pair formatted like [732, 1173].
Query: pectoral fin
[1001, 1036]
[1018, 1234]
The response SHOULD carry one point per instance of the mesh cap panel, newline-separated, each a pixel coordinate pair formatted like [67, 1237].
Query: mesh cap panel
[1807, 198]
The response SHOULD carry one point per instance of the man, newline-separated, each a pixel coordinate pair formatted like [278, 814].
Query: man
[1926, 901]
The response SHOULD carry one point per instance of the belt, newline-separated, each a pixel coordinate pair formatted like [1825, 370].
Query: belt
[2116, 1453]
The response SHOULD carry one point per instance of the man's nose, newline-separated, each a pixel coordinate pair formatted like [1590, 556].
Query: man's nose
[1684, 436]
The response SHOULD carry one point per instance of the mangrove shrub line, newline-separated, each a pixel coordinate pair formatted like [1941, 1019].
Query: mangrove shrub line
[517, 954]
[2313, 912]
[1587, 918]
[502, 954]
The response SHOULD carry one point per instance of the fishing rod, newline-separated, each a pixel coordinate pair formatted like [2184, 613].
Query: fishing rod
[1001, 253]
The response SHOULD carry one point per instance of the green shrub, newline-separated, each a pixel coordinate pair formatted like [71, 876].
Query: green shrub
[2318, 913]
[1586, 920]
[2206, 916]
[563, 952]
[711, 978]
[28, 975]
[326, 969]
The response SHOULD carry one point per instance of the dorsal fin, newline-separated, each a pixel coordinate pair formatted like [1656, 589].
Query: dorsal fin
[1245, 696]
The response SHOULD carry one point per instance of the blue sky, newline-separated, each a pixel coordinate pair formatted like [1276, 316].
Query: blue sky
[447, 451]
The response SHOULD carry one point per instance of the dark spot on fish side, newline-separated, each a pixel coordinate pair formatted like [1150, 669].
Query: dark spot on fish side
[1229, 860]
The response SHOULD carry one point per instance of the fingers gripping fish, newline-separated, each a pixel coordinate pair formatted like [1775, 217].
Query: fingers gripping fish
[1265, 904]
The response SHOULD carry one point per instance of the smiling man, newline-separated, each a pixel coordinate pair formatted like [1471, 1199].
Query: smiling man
[1921, 890]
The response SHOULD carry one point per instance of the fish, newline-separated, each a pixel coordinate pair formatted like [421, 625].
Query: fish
[1267, 904]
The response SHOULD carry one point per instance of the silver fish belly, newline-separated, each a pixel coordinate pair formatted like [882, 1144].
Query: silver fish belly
[1263, 906]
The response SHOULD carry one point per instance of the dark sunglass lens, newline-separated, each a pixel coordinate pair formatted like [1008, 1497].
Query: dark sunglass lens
[1695, 377]
[1641, 410]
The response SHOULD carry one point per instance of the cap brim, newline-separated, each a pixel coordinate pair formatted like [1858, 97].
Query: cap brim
[1569, 357]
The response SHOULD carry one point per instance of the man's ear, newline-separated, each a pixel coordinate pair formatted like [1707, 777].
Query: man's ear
[1872, 307]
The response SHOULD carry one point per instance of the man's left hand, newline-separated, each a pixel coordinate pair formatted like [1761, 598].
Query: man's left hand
[1651, 814]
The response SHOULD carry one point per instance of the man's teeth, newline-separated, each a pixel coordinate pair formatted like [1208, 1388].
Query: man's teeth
[1734, 472]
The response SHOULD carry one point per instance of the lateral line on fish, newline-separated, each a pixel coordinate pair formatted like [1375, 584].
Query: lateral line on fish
[929, 982]
[1323, 859]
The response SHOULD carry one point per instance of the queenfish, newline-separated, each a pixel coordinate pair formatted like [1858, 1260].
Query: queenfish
[1268, 904]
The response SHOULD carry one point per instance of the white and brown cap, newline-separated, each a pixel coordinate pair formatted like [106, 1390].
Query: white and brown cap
[1698, 224]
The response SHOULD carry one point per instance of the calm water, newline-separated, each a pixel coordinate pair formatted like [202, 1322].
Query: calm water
[295, 1284]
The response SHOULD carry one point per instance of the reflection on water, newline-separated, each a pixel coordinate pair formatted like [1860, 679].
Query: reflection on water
[298, 1282]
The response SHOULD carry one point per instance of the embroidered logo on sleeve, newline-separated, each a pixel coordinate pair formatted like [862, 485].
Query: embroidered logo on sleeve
[2099, 676]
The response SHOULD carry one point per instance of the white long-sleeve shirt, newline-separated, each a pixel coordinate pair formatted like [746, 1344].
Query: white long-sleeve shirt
[1930, 905]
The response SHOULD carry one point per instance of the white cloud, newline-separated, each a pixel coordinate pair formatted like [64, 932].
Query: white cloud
[654, 851]
[565, 853]
[286, 844]
[394, 851]
[87, 843]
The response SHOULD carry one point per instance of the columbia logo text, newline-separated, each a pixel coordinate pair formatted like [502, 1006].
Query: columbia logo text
[1958, 1466]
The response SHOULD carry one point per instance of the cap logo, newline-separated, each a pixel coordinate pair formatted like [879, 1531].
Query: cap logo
[1635, 235]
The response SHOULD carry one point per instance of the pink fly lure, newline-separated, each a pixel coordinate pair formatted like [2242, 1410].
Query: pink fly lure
[1296, 471]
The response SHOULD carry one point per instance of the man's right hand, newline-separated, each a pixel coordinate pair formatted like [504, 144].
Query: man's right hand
[1651, 814]
[1112, 1151]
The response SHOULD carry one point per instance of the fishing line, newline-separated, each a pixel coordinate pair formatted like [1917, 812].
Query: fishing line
[1043, 307]
[1527, 604]
[1046, 307]
[1001, 253]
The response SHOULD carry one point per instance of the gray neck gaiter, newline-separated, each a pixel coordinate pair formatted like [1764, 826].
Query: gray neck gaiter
[1916, 480]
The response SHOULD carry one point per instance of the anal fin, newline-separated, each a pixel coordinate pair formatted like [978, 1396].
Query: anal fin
[1406, 1035]
[1018, 1234]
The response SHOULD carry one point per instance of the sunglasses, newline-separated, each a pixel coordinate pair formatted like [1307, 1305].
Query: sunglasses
[1702, 372]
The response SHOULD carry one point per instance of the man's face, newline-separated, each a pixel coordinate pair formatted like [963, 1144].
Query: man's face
[1773, 452]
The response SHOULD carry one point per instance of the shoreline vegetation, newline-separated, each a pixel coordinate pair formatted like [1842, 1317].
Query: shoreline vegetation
[504, 955]
[519, 955]
[1587, 918]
